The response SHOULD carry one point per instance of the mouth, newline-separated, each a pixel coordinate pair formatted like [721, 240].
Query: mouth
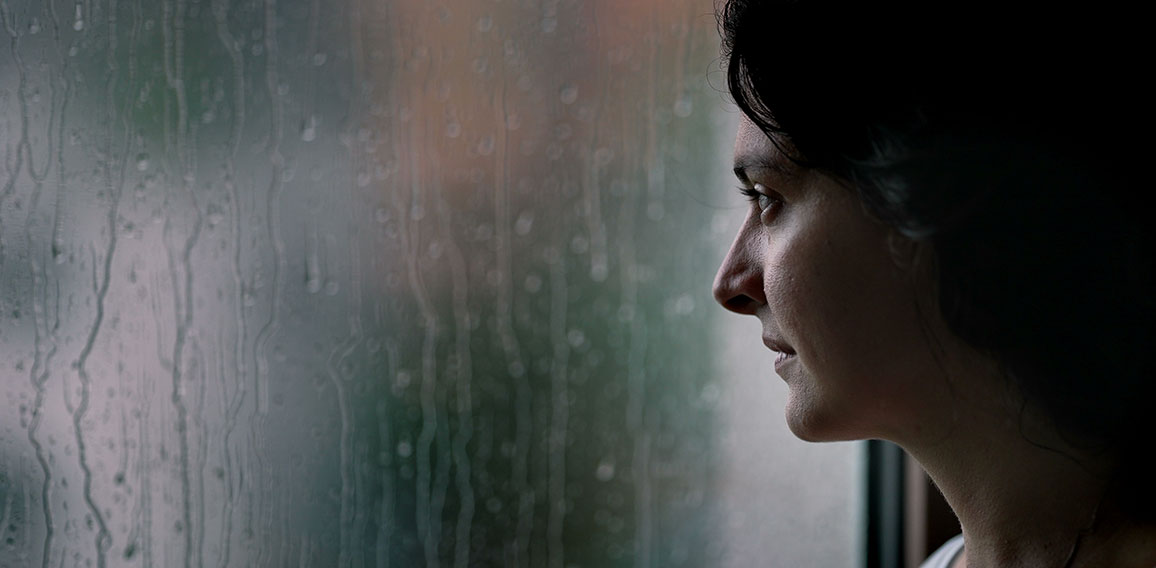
[784, 351]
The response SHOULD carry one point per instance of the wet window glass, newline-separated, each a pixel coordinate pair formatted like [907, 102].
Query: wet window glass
[393, 283]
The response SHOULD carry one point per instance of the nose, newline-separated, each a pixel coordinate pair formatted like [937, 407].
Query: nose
[738, 286]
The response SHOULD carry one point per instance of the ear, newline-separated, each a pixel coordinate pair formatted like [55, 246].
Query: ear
[907, 253]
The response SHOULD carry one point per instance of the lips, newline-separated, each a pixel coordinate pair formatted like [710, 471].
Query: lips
[777, 345]
[784, 351]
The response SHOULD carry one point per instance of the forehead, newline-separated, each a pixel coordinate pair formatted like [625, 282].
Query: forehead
[753, 149]
[751, 140]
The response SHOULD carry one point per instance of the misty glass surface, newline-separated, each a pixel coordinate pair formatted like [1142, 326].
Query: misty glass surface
[384, 283]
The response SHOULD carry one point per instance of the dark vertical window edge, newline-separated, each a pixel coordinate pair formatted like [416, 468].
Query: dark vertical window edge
[885, 490]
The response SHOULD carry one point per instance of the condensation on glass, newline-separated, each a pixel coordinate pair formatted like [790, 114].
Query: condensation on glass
[381, 283]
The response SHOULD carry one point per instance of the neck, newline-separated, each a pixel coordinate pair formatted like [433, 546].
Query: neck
[1028, 507]
[1024, 497]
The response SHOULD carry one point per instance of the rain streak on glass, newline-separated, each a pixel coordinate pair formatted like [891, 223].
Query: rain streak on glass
[400, 283]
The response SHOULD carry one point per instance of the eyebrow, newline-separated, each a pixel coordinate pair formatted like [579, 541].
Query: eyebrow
[745, 163]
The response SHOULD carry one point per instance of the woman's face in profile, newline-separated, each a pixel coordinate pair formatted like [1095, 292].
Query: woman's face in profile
[835, 301]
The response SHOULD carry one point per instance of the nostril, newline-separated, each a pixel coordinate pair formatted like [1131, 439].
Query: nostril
[739, 291]
[741, 303]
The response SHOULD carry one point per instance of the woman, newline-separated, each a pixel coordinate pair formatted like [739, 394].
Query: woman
[947, 247]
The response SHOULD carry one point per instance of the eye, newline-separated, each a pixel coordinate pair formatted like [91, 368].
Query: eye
[766, 200]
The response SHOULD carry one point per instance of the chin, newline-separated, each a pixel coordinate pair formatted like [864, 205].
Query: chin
[812, 424]
[806, 435]
[805, 428]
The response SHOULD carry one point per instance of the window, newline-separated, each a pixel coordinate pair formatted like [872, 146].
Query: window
[391, 283]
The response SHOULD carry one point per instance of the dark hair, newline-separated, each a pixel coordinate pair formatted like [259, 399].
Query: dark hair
[1008, 142]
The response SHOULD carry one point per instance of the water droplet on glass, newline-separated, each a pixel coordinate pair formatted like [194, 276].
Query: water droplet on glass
[711, 393]
[599, 271]
[579, 244]
[382, 171]
[605, 471]
[568, 94]
[486, 145]
[603, 156]
[513, 121]
[563, 131]
[576, 338]
[402, 379]
[309, 129]
[524, 223]
[684, 106]
[494, 278]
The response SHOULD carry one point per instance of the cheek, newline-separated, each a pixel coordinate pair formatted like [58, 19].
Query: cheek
[789, 297]
[842, 302]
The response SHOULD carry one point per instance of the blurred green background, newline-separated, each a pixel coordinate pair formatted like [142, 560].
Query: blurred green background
[393, 283]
